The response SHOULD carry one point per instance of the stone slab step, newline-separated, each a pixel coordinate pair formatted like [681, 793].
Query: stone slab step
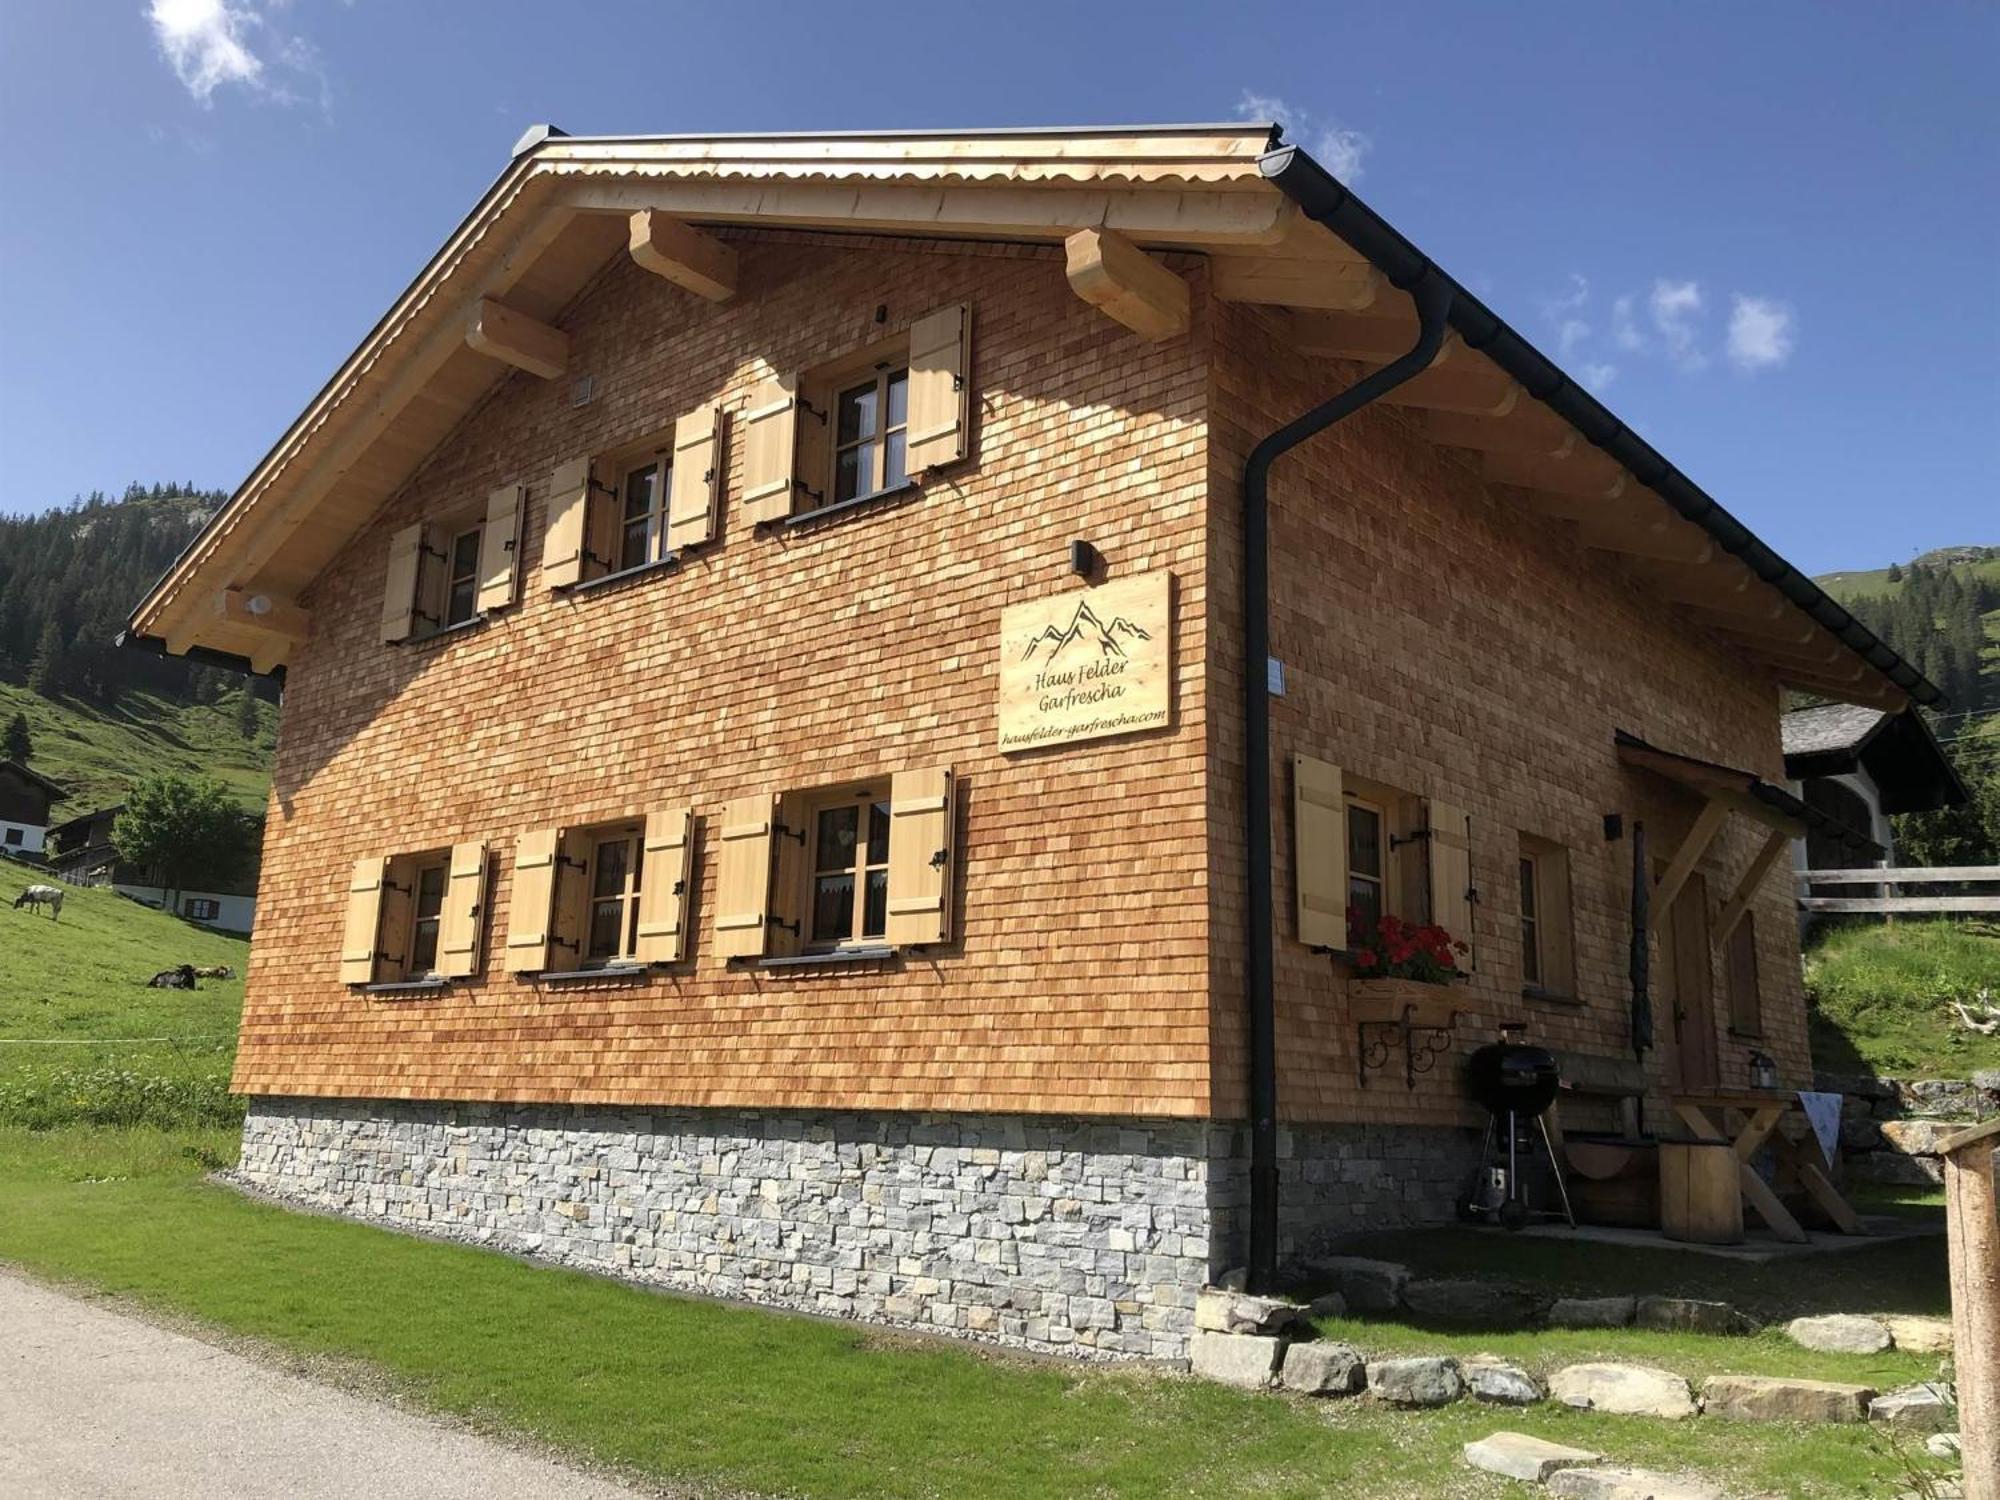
[1769, 1398]
[1630, 1484]
[1518, 1455]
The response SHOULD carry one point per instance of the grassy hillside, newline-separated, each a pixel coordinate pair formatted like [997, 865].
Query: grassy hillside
[96, 752]
[82, 1040]
[1879, 996]
[1977, 562]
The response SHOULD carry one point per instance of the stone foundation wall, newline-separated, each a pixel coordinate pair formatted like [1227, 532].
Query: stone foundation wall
[1890, 1127]
[1088, 1236]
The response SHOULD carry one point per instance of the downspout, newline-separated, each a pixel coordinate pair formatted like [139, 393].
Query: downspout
[1432, 292]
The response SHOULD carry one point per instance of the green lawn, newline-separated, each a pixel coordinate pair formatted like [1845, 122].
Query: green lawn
[1878, 994]
[72, 990]
[95, 752]
[731, 1398]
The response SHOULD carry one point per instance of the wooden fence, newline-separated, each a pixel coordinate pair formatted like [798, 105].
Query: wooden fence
[1891, 880]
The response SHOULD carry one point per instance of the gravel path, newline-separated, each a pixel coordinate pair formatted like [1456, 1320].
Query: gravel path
[95, 1404]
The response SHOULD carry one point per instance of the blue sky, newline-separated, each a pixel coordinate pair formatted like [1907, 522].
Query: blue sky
[1768, 233]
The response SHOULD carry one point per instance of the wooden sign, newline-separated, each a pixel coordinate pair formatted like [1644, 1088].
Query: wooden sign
[1087, 663]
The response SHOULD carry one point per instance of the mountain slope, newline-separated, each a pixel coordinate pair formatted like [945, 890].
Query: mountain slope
[95, 751]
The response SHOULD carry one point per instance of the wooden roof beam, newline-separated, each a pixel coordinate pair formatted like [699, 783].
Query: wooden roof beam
[263, 613]
[1615, 524]
[1334, 335]
[1531, 428]
[1584, 471]
[1126, 284]
[499, 332]
[678, 252]
[1330, 285]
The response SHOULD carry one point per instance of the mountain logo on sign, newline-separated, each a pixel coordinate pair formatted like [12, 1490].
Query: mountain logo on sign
[1085, 627]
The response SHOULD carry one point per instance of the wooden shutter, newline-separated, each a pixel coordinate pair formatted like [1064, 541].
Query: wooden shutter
[532, 901]
[663, 887]
[364, 916]
[1746, 1000]
[464, 907]
[1556, 922]
[399, 590]
[569, 507]
[1450, 850]
[697, 477]
[1319, 852]
[920, 857]
[940, 367]
[500, 548]
[743, 877]
[770, 449]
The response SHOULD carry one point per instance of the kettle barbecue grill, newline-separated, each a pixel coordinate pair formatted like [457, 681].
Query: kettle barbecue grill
[1516, 1083]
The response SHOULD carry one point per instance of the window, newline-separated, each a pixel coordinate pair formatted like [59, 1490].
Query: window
[1547, 963]
[411, 918]
[1367, 862]
[642, 492]
[201, 908]
[15, 836]
[850, 870]
[871, 428]
[611, 925]
[449, 570]
[461, 578]
[1746, 1000]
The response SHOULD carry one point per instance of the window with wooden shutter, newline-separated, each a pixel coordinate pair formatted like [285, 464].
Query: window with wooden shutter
[463, 911]
[743, 876]
[399, 589]
[364, 919]
[532, 902]
[940, 394]
[500, 549]
[663, 889]
[920, 857]
[568, 521]
[1319, 852]
[696, 479]
[1548, 963]
[1450, 858]
[770, 449]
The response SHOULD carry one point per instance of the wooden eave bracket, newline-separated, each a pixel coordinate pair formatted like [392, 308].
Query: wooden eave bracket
[1126, 284]
[263, 613]
[1775, 844]
[1707, 824]
[691, 259]
[499, 332]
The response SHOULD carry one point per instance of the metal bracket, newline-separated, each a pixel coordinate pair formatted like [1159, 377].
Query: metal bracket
[940, 859]
[1422, 1045]
[563, 861]
[1421, 836]
[680, 887]
[809, 409]
[429, 551]
[791, 927]
[783, 832]
[818, 497]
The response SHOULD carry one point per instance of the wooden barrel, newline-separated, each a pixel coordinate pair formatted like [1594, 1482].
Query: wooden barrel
[1700, 1200]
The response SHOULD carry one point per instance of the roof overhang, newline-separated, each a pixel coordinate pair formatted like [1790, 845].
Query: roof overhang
[484, 305]
[54, 791]
[1744, 792]
[1900, 753]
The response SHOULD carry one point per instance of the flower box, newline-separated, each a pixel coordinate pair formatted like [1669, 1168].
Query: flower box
[1374, 1000]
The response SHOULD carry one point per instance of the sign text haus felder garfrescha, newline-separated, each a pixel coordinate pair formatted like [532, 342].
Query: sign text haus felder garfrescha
[1087, 663]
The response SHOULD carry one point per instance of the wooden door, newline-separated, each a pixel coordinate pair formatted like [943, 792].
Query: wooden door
[1684, 944]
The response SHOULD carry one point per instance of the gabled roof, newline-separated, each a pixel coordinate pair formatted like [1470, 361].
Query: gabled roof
[56, 793]
[1899, 753]
[565, 205]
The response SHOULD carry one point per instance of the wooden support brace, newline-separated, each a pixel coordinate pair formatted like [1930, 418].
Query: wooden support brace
[1587, 472]
[691, 259]
[514, 338]
[1972, 1227]
[1336, 286]
[1531, 428]
[1746, 888]
[1706, 826]
[1126, 284]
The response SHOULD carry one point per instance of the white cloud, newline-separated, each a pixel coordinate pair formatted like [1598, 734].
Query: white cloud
[204, 42]
[1570, 335]
[1624, 327]
[1598, 376]
[1677, 307]
[1339, 148]
[1760, 333]
[211, 44]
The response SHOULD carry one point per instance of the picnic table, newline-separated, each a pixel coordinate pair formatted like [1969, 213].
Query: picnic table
[1757, 1114]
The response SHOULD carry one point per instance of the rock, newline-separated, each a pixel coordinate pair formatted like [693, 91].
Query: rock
[1629, 1484]
[1627, 1390]
[1593, 1312]
[1241, 1359]
[1218, 1311]
[1916, 1137]
[1516, 1455]
[1929, 1407]
[1858, 1085]
[1368, 1285]
[1945, 1445]
[1479, 1304]
[1987, 1080]
[1235, 1279]
[1939, 1096]
[1839, 1333]
[1765, 1398]
[1327, 1305]
[1860, 1134]
[1499, 1383]
[1426, 1381]
[1691, 1315]
[1324, 1369]
[1894, 1169]
[1920, 1335]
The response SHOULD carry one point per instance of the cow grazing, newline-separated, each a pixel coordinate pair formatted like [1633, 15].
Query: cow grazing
[35, 897]
[214, 971]
[180, 977]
